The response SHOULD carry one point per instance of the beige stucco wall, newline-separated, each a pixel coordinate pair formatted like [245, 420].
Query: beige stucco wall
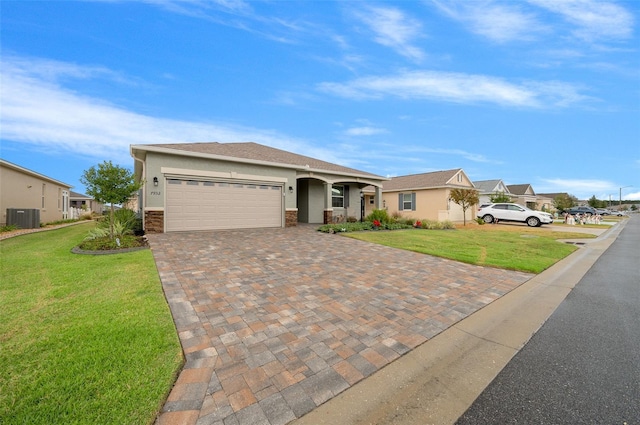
[431, 204]
[20, 190]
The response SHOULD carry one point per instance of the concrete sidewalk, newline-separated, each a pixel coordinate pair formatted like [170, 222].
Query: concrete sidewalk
[436, 382]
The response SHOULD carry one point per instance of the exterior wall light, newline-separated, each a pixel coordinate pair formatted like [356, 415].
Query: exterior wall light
[155, 181]
[290, 189]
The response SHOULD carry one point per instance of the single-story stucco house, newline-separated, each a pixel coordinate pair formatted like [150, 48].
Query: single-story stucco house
[523, 194]
[426, 195]
[489, 188]
[210, 186]
[84, 202]
[24, 189]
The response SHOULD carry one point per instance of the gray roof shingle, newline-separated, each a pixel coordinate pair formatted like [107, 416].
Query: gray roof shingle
[420, 181]
[256, 152]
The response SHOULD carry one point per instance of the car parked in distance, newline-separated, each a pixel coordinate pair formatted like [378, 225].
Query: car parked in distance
[581, 211]
[514, 212]
[619, 213]
[603, 211]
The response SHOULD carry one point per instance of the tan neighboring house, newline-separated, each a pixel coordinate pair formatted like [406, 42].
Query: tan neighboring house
[426, 196]
[489, 188]
[24, 189]
[209, 186]
[84, 202]
[523, 194]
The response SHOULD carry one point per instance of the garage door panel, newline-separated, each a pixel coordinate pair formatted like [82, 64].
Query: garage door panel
[192, 205]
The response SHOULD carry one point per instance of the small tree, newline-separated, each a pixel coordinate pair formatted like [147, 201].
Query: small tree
[110, 183]
[499, 197]
[465, 198]
[564, 201]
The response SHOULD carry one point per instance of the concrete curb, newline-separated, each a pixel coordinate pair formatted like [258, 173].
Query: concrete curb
[436, 382]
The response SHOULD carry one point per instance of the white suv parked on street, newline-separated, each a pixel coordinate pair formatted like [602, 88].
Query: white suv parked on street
[513, 212]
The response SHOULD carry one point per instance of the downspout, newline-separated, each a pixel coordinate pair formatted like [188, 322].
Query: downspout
[144, 191]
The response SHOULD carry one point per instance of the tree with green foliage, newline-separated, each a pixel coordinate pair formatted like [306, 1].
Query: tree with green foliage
[596, 203]
[108, 183]
[465, 198]
[499, 197]
[564, 201]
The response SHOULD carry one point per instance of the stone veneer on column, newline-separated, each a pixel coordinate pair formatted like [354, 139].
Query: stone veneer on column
[154, 221]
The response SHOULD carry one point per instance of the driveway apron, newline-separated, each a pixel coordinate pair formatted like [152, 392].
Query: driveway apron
[275, 322]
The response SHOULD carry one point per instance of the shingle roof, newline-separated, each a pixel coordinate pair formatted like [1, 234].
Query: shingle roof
[420, 181]
[73, 194]
[486, 185]
[520, 189]
[256, 152]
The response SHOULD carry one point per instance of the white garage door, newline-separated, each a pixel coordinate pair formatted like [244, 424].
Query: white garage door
[208, 205]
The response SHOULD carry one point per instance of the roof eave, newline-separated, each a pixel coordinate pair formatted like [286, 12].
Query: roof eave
[157, 149]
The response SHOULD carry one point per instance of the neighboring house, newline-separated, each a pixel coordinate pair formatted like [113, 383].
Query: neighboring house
[544, 202]
[489, 188]
[84, 202]
[523, 194]
[21, 188]
[426, 196]
[206, 186]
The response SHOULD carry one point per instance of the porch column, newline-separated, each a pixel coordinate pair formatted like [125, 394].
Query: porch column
[378, 197]
[328, 204]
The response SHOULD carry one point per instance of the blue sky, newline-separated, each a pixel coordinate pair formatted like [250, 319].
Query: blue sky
[544, 92]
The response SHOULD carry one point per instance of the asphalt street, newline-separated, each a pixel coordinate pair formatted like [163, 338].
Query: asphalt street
[583, 365]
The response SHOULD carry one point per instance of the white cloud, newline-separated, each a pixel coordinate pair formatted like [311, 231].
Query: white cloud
[594, 19]
[457, 88]
[38, 111]
[364, 131]
[497, 22]
[393, 29]
[581, 188]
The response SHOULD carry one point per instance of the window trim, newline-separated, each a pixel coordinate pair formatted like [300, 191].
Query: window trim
[401, 201]
[339, 197]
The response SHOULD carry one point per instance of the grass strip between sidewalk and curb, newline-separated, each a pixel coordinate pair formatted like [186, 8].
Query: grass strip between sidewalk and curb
[84, 339]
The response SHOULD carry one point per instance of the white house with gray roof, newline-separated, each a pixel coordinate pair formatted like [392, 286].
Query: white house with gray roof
[489, 188]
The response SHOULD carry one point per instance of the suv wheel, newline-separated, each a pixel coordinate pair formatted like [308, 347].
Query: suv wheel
[488, 218]
[533, 222]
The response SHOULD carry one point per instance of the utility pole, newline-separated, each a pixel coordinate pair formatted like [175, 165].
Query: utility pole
[620, 200]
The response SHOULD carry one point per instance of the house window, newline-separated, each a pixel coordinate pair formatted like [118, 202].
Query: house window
[407, 202]
[372, 200]
[44, 189]
[337, 196]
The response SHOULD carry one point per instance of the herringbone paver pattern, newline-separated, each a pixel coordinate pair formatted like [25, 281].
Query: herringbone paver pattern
[274, 322]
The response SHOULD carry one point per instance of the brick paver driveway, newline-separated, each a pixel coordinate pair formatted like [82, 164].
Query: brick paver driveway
[275, 322]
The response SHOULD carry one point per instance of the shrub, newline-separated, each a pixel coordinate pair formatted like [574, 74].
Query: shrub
[381, 215]
[8, 228]
[125, 222]
[351, 219]
[346, 227]
[479, 220]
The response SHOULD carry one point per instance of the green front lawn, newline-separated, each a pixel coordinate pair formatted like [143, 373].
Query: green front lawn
[83, 339]
[508, 247]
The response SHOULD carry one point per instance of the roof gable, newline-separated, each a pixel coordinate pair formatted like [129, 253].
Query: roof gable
[521, 189]
[427, 181]
[491, 186]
